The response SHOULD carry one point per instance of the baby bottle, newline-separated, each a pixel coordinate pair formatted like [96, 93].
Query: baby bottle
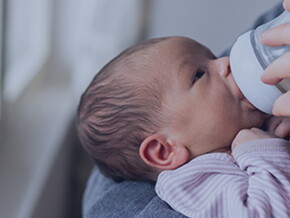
[248, 60]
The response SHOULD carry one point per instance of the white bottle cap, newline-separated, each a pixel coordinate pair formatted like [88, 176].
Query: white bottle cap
[247, 71]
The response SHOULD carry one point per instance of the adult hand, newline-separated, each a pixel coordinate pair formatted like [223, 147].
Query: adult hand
[280, 68]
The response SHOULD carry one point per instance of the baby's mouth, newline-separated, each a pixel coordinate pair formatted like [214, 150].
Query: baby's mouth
[249, 104]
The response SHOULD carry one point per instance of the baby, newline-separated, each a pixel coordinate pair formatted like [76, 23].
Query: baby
[167, 107]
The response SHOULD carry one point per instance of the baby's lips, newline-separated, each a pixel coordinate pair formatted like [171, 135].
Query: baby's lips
[249, 104]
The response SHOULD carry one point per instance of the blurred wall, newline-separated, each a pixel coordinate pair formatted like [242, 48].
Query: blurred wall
[215, 24]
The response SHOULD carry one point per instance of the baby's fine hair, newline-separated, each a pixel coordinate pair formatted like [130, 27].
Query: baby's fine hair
[118, 110]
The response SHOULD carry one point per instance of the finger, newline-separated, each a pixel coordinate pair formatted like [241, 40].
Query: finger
[286, 5]
[283, 129]
[272, 123]
[281, 132]
[277, 70]
[277, 36]
[282, 105]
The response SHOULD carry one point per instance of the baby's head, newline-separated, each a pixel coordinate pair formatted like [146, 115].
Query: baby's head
[158, 105]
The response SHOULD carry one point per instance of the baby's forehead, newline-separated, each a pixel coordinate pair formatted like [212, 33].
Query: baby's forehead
[180, 46]
[148, 65]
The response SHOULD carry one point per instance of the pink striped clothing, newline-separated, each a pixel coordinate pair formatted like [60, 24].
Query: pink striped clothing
[254, 182]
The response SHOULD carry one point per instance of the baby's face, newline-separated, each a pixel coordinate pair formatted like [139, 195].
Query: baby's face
[202, 103]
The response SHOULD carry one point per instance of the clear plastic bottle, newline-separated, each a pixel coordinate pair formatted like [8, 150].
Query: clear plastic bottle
[249, 58]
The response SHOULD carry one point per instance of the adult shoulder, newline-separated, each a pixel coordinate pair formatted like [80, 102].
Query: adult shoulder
[105, 198]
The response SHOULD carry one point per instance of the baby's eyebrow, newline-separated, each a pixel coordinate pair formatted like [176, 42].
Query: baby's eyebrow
[185, 62]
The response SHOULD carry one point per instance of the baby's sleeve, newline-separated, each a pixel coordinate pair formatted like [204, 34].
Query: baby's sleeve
[254, 182]
[267, 164]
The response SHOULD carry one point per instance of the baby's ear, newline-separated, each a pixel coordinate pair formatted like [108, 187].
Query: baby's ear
[157, 151]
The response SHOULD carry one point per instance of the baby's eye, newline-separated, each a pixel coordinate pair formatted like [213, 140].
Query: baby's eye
[198, 75]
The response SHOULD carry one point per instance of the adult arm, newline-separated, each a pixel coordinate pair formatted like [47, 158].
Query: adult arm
[105, 198]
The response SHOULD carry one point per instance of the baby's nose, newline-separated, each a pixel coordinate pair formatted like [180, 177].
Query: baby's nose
[223, 66]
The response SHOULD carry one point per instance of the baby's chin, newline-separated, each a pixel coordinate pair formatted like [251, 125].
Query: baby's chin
[256, 119]
[226, 149]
